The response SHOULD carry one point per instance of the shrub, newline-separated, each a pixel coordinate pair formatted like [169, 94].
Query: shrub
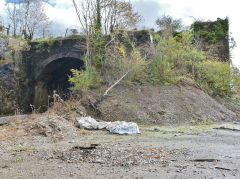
[216, 76]
[84, 80]
[174, 57]
[161, 70]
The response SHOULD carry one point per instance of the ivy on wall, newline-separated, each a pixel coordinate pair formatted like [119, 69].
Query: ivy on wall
[212, 32]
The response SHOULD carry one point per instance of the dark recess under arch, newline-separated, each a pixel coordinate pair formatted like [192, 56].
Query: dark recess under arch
[55, 77]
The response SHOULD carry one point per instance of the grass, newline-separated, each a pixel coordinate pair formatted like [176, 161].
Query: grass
[18, 160]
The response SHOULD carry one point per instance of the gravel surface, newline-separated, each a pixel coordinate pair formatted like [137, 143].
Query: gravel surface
[54, 148]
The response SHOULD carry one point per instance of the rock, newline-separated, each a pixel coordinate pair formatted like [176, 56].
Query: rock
[2, 121]
[157, 129]
[8, 88]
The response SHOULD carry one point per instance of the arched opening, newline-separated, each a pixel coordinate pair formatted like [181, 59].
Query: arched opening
[55, 77]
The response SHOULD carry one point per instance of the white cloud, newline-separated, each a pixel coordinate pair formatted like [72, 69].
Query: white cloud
[64, 4]
[2, 7]
[63, 14]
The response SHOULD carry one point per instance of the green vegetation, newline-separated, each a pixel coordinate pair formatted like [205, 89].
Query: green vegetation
[85, 80]
[106, 65]
[212, 32]
[174, 60]
[216, 76]
[175, 57]
[7, 105]
[45, 45]
[178, 58]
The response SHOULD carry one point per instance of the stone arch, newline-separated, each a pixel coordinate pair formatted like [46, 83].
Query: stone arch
[53, 75]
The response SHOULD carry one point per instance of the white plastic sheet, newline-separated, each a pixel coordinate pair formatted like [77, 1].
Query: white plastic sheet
[119, 127]
[91, 124]
[122, 127]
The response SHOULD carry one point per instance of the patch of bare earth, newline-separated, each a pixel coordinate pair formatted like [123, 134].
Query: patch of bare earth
[175, 104]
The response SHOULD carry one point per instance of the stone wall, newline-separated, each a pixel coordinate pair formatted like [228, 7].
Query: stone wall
[213, 38]
[8, 89]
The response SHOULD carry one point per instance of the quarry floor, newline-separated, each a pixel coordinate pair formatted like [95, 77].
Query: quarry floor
[54, 148]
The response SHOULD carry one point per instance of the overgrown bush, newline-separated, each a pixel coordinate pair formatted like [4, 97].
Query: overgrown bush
[85, 79]
[212, 32]
[178, 57]
[108, 64]
[216, 76]
[174, 57]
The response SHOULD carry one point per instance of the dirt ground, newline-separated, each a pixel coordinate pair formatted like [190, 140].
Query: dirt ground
[40, 147]
[180, 138]
[164, 105]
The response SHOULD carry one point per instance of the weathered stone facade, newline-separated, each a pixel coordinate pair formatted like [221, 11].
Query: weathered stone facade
[8, 89]
[213, 38]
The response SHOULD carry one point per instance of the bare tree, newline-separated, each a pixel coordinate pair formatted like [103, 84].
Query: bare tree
[168, 25]
[28, 18]
[13, 13]
[118, 14]
[34, 19]
[86, 11]
[115, 14]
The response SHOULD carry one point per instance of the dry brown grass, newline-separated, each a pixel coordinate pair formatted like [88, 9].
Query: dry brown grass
[12, 131]
[18, 127]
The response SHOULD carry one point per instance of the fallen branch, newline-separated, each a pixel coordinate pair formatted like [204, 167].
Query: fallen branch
[205, 160]
[101, 98]
[226, 128]
[221, 168]
[92, 146]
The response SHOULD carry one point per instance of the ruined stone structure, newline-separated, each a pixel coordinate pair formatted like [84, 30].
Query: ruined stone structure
[46, 67]
[213, 38]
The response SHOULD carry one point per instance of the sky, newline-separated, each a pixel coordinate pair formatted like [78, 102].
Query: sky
[62, 13]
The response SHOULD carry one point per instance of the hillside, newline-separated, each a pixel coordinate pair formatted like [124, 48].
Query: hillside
[174, 104]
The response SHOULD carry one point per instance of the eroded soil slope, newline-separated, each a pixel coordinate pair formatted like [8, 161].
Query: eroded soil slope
[180, 104]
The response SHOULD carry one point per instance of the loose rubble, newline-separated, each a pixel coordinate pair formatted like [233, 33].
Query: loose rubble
[109, 155]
